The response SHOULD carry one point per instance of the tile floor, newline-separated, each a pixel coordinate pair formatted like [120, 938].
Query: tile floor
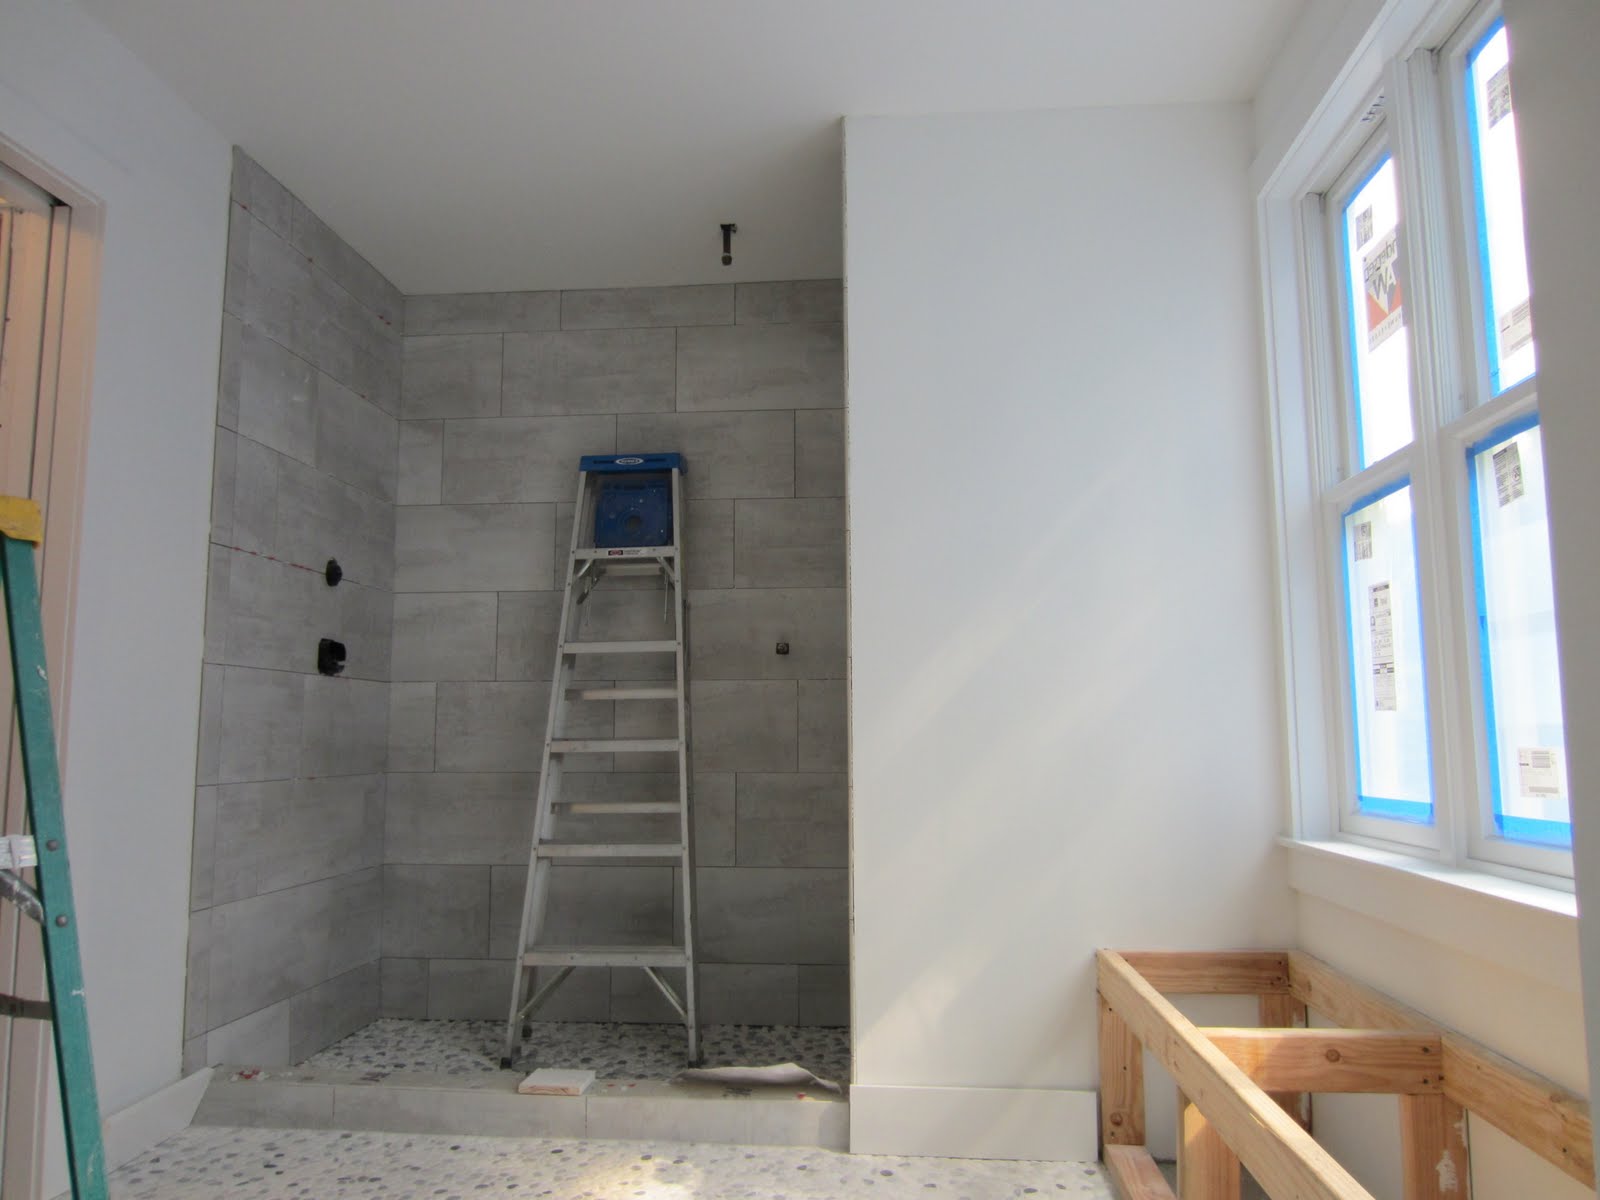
[293, 1164]
[612, 1051]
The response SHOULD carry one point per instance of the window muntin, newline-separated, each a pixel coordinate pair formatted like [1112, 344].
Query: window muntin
[1497, 193]
[1526, 739]
[1380, 364]
[1388, 694]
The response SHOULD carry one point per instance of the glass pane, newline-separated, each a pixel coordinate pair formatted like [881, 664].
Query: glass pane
[1380, 357]
[1391, 709]
[1497, 181]
[1516, 622]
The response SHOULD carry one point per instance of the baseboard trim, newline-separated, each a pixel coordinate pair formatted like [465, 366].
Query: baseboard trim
[953, 1122]
[130, 1131]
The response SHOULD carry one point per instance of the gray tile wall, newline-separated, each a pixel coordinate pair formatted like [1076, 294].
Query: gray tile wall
[286, 901]
[500, 395]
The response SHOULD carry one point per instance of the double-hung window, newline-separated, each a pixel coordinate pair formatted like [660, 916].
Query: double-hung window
[1437, 683]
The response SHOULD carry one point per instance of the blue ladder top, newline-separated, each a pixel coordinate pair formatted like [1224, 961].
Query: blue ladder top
[619, 464]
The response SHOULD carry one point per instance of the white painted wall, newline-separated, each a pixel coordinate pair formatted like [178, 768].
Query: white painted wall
[1063, 719]
[1450, 961]
[1558, 109]
[77, 100]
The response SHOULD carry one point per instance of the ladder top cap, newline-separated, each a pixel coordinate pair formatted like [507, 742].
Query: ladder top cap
[20, 519]
[620, 464]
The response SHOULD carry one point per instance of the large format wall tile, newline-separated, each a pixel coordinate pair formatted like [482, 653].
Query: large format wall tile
[729, 454]
[451, 375]
[483, 312]
[744, 725]
[600, 371]
[520, 459]
[761, 366]
[419, 465]
[444, 635]
[435, 911]
[773, 916]
[618, 308]
[289, 811]
[460, 818]
[473, 547]
[813, 300]
[819, 452]
[735, 632]
[792, 819]
[788, 543]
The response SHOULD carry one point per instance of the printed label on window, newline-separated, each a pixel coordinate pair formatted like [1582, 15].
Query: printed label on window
[1508, 473]
[1539, 771]
[1363, 227]
[1516, 329]
[1380, 616]
[1363, 540]
[1498, 95]
[1381, 272]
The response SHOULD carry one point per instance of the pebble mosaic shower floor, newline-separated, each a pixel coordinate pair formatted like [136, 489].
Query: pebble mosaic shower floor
[611, 1051]
[292, 1164]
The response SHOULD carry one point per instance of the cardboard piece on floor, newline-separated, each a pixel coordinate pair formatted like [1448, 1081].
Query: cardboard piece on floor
[778, 1075]
[556, 1081]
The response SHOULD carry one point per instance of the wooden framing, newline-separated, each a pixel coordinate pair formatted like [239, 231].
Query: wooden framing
[1243, 1092]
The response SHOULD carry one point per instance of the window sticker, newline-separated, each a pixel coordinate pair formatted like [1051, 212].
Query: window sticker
[1508, 473]
[1539, 771]
[1363, 227]
[1497, 93]
[1380, 270]
[1516, 329]
[1363, 540]
[1380, 616]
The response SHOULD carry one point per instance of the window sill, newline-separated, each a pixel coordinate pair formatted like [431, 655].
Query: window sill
[1519, 926]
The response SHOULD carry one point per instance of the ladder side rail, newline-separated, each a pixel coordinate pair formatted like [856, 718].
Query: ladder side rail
[691, 975]
[41, 772]
[536, 890]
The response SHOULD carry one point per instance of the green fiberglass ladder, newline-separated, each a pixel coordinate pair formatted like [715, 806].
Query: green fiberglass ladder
[628, 524]
[44, 849]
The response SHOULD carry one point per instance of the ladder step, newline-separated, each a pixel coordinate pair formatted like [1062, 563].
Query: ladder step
[611, 554]
[657, 647]
[611, 745]
[605, 956]
[609, 850]
[618, 807]
[623, 693]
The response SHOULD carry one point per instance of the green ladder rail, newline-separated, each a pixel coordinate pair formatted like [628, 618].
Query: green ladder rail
[21, 529]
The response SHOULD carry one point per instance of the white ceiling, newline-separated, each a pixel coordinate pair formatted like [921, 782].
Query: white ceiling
[483, 145]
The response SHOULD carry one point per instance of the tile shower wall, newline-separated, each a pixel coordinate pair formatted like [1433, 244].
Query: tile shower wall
[286, 901]
[501, 394]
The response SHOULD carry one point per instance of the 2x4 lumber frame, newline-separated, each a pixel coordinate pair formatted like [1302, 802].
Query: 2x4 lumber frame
[1279, 1010]
[1207, 1168]
[1282, 1156]
[1548, 1119]
[1134, 1174]
[1434, 1162]
[1290, 1061]
[1212, 973]
[1121, 1081]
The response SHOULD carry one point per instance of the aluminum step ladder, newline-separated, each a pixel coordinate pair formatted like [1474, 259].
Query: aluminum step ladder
[44, 849]
[628, 523]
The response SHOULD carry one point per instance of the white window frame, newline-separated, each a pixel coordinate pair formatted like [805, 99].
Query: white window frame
[1411, 104]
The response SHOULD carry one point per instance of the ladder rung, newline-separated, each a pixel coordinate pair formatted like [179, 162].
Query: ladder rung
[609, 850]
[660, 647]
[611, 745]
[623, 693]
[619, 807]
[626, 567]
[605, 956]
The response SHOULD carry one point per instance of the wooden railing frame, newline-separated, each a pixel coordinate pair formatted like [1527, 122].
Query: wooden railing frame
[1244, 1092]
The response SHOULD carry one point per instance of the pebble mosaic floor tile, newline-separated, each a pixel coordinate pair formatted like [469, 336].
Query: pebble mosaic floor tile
[611, 1051]
[292, 1164]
